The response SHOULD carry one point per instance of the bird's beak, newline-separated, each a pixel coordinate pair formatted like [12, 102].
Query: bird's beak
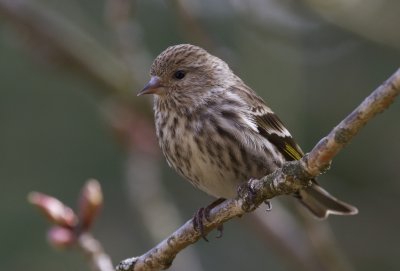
[153, 86]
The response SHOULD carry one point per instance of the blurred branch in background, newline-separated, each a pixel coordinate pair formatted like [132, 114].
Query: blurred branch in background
[93, 250]
[275, 19]
[60, 41]
[290, 24]
[128, 38]
[286, 234]
[324, 245]
[365, 18]
[190, 25]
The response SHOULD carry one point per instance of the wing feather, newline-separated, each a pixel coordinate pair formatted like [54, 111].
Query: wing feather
[271, 127]
[268, 124]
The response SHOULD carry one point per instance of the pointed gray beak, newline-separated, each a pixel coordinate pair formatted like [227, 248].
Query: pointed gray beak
[152, 86]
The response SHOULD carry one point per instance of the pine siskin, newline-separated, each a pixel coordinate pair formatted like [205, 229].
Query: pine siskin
[217, 133]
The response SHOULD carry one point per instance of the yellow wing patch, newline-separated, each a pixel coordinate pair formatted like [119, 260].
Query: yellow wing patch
[292, 152]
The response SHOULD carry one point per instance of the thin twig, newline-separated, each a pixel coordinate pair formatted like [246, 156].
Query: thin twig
[286, 180]
[99, 260]
[71, 228]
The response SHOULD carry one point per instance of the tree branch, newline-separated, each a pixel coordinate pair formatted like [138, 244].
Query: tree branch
[286, 180]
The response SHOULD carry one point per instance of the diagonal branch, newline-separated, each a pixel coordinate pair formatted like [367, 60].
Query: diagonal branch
[286, 180]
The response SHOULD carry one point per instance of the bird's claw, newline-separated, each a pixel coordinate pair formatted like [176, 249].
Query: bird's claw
[204, 213]
[269, 205]
[198, 224]
[247, 193]
[220, 230]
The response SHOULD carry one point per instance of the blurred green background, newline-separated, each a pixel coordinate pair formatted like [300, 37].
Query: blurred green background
[69, 68]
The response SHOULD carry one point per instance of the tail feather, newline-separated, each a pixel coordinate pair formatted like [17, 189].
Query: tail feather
[322, 204]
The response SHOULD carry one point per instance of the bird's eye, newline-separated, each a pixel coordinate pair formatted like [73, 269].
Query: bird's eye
[179, 74]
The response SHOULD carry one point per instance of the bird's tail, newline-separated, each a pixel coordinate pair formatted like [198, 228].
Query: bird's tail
[322, 204]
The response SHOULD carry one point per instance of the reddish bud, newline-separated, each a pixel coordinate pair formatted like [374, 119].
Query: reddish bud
[60, 237]
[90, 203]
[53, 209]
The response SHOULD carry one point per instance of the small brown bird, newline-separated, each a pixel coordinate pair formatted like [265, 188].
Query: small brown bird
[217, 133]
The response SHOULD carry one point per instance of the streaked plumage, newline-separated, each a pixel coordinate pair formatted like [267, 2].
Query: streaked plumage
[216, 132]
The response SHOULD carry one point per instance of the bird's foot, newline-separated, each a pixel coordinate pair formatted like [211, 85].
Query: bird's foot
[198, 223]
[204, 214]
[248, 195]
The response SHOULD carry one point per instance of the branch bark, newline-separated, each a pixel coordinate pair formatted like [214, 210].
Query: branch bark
[286, 180]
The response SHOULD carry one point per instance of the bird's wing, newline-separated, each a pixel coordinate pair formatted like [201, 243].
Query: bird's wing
[268, 124]
[272, 128]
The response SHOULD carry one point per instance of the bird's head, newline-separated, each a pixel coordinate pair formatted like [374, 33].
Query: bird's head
[186, 71]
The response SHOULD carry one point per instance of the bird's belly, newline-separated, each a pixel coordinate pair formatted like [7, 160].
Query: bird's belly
[215, 167]
[215, 180]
